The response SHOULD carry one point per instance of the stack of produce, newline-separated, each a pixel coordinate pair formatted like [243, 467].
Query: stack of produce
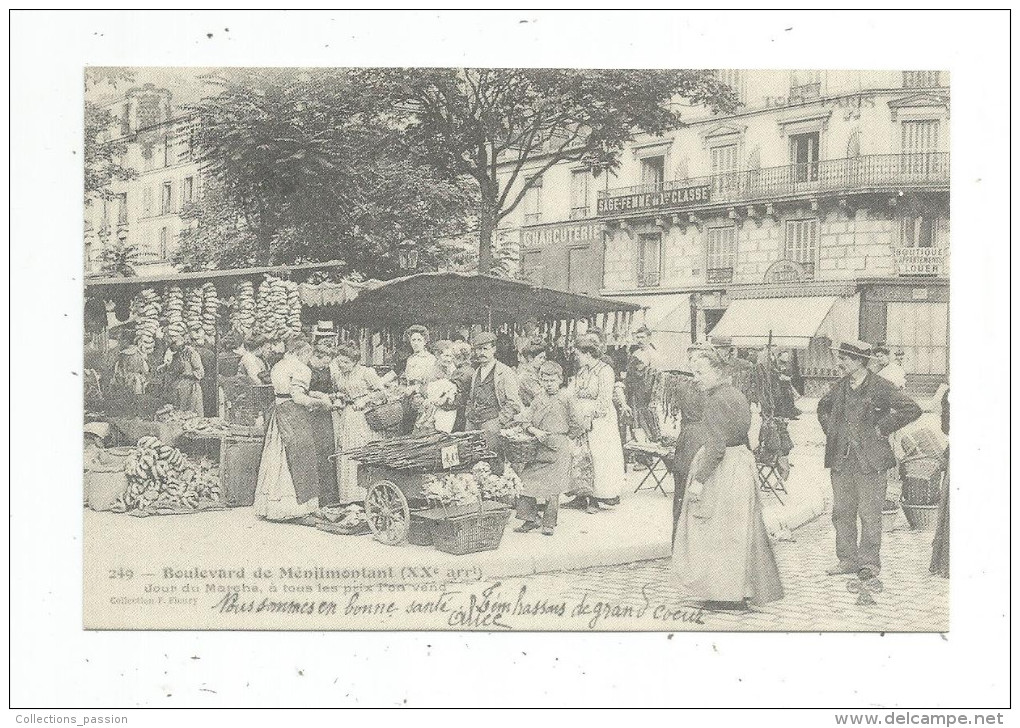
[193, 301]
[161, 477]
[174, 308]
[422, 453]
[210, 306]
[169, 414]
[275, 308]
[293, 307]
[243, 314]
[147, 309]
[207, 426]
[462, 488]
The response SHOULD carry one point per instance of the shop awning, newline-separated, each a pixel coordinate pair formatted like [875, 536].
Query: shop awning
[792, 322]
[468, 298]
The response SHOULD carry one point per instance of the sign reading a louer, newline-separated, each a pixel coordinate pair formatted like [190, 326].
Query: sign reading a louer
[920, 261]
[667, 198]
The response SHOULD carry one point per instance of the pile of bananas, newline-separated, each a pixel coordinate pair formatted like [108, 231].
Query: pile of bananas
[243, 314]
[160, 476]
[193, 301]
[293, 307]
[147, 309]
[275, 308]
[174, 308]
[210, 308]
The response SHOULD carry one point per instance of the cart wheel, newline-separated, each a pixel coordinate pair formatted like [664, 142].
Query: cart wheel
[387, 512]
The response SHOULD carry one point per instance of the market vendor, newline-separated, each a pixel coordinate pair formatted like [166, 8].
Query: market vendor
[532, 357]
[494, 399]
[288, 481]
[183, 371]
[552, 419]
[420, 367]
[131, 367]
[357, 387]
[249, 365]
[642, 379]
[208, 383]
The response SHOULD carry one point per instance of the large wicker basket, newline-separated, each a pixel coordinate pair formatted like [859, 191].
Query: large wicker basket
[480, 530]
[921, 518]
[922, 480]
[520, 451]
[385, 417]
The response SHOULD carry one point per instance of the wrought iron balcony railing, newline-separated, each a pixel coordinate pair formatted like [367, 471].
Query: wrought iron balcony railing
[863, 173]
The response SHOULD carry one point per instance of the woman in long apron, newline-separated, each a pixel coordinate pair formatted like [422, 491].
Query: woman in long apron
[357, 386]
[722, 557]
[593, 389]
[288, 482]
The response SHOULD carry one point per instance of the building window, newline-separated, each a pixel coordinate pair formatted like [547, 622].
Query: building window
[724, 169]
[531, 266]
[653, 171]
[921, 330]
[579, 193]
[920, 79]
[722, 251]
[649, 260]
[919, 144]
[533, 201]
[122, 209]
[147, 202]
[187, 191]
[163, 243]
[168, 157]
[167, 203]
[578, 267]
[125, 120]
[804, 156]
[734, 79]
[802, 243]
[805, 85]
[921, 231]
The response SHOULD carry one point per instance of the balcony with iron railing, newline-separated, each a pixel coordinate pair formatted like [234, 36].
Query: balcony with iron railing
[853, 174]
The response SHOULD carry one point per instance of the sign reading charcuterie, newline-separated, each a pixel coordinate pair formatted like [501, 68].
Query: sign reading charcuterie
[667, 198]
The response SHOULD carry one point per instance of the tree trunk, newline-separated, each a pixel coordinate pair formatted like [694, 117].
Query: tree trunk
[485, 230]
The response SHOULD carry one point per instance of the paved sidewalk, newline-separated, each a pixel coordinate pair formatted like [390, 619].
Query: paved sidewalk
[913, 600]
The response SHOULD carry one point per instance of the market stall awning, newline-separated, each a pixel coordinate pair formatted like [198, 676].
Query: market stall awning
[98, 286]
[793, 322]
[468, 298]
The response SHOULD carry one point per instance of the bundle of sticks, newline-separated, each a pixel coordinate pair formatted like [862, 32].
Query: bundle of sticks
[421, 453]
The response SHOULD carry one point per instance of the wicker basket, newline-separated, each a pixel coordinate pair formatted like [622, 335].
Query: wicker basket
[922, 481]
[889, 518]
[481, 530]
[921, 518]
[385, 417]
[520, 451]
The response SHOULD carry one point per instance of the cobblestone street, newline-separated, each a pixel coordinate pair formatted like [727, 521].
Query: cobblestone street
[912, 601]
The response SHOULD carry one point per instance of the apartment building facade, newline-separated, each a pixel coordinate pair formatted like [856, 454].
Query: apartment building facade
[819, 211]
[145, 211]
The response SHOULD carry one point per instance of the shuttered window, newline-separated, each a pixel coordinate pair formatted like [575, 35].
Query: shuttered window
[920, 142]
[721, 246]
[802, 243]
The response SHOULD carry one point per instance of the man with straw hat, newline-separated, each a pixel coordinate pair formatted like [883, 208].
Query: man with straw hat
[857, 415]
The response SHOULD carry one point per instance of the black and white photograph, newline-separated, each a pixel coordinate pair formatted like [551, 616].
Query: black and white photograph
[378, 346]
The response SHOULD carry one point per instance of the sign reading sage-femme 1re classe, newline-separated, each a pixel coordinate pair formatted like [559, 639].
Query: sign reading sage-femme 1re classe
[693, 195]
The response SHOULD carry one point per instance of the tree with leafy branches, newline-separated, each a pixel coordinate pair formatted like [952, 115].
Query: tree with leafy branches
[105, 143]
[503, 128]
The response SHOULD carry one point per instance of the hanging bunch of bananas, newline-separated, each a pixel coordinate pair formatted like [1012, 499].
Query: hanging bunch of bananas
[160, 476]
[210, 308]
[293, 307]
[274, 306]
[262, 307]
[147, 309]
[193, 301]
[243, 314]
[173, 306]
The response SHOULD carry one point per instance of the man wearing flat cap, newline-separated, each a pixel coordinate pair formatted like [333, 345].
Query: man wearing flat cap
[494, 398]
[858, 414]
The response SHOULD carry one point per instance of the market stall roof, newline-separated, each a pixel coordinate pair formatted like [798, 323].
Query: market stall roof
[793, 322]
[99, 286]
[466, 297]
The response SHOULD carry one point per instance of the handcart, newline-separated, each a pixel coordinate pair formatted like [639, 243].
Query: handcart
[394, 483]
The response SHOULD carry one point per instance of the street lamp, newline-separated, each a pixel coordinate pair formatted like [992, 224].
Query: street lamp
[407, 253]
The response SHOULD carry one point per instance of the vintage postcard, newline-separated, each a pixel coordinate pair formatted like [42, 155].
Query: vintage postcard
[464, 348]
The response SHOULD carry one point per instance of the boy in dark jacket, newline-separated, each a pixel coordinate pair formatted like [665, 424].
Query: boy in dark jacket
[858, 414]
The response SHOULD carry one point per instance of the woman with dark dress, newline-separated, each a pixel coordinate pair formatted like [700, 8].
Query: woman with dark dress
[722, 557]
[689, 440]
[940, 544]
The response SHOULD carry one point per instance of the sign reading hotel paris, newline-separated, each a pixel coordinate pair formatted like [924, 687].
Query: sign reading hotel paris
[920, 261]
[681, 196]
